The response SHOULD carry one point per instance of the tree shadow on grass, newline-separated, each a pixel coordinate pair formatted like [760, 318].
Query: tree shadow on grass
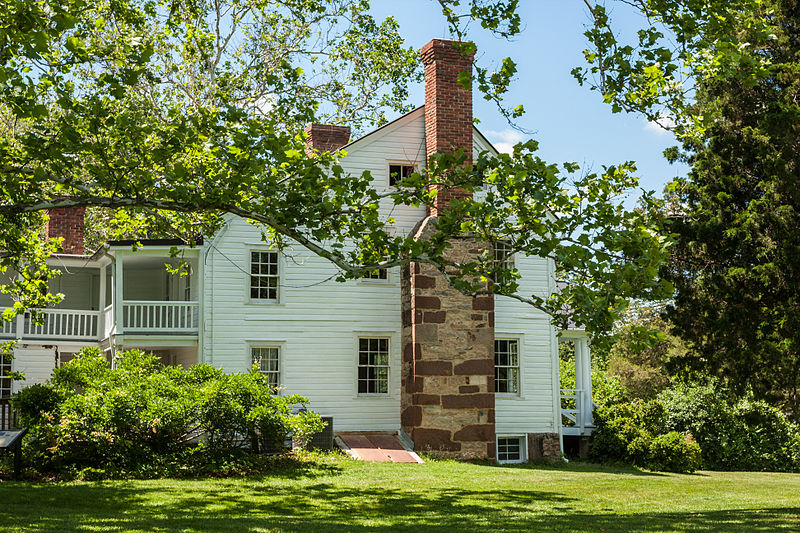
[241, 505]
[582, 466]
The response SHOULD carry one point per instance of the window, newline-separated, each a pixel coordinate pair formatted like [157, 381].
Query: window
[510, 450]
[503, 255]
[506, 366]
[380, 273]
[5, 376]
[373, 366]
[266, 358]
[398, 172]
[263, 275]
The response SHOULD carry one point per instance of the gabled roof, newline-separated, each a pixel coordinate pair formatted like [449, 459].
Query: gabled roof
[403, 117]
[155, 242]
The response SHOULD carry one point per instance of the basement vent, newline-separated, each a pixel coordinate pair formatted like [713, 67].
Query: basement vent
[324, 439]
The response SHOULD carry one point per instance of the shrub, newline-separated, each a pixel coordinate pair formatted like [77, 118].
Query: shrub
[674, 452]
[734, 435]
[625, 431]
[146, 419]
[34, 402]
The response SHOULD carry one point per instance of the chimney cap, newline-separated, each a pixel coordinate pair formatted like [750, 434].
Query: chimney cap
[447, 50]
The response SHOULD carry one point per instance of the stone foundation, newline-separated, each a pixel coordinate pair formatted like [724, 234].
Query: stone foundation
[544, 447]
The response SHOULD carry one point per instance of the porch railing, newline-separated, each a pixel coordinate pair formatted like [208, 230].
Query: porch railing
[8, 329]
[68, 324]
[160, 317]
[62, 324]
[574, 418]
[107, 321]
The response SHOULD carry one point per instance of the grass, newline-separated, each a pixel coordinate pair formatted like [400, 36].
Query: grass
[333, 493]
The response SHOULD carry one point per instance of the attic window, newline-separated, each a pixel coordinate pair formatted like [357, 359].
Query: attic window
[380, 273]
[398, 172]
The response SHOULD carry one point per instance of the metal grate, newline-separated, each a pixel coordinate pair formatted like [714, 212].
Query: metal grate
[324, 439]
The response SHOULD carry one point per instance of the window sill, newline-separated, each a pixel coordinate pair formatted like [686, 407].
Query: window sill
[508, 396]
[376, 281]
[275, 303]
[373, 396]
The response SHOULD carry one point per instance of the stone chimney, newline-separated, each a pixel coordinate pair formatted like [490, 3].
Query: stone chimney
[447, 395]
[67, 223]
[326, 137]
[448, 106]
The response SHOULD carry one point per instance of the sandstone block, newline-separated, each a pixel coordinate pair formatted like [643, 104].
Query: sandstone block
[433, 368]
[466, 401]
[474, 367]
[475, 432]
[434, 440]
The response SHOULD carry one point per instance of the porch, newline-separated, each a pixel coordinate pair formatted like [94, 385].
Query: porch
[155, 298]
[123, 294]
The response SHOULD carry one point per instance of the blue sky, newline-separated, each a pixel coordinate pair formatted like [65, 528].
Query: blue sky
[570, 122]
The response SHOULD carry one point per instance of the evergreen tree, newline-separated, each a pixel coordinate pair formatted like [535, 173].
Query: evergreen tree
[736, 263]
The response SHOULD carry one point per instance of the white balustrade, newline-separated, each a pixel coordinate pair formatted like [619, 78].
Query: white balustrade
[160, 317]
[8, 329]
[61, 324]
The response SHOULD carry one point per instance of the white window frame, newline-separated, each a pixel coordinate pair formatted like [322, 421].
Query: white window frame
[267, 346]
[518, 341]
[6, 368]
[523, 449]
[249, 277]
[390, 164]
[374, 336]
[379, 281]
[507, 260]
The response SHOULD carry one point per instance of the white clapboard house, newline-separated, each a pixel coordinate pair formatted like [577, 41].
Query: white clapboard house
[387, 353]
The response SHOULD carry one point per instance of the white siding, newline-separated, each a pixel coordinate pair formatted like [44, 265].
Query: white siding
[80, 288]
[533, 410]
[316, 324]
[401, 142]
[317, 321]
[36, 363]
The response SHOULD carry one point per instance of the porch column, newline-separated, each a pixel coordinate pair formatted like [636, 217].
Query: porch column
[19, 320]
[583, 379]
[102, 296]
[101, 305]
[116, 295]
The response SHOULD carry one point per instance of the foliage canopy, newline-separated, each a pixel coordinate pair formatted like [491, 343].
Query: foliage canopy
[172, 115]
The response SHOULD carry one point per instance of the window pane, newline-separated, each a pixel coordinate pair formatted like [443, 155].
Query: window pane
[266, 359]
[264, 275]
[373, 365]
[506, 361]
[509, 449]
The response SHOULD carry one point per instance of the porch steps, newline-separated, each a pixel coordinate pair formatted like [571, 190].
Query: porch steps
[376, 447]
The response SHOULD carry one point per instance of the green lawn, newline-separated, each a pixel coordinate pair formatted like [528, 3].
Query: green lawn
[338, 494]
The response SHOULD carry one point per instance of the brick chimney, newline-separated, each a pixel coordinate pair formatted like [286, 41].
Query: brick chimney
[67, 223]
[447, 383]
[448, 106]
[326, 137]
